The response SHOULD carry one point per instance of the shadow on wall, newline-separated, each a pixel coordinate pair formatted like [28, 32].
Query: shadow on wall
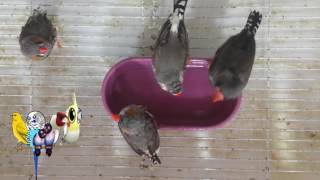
[152, 24]
[52, 8]
[203, 27]
[211, 23]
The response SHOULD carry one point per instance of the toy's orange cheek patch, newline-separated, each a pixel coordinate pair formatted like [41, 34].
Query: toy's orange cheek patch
[116, 117]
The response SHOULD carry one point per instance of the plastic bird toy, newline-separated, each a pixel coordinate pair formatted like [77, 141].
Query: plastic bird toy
[50, 139]
[19, 129]
[70, 121]
[36, 133]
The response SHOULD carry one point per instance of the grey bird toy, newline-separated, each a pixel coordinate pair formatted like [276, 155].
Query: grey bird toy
[171, 50]
[38, 36]
[232, 65]
[139, 130]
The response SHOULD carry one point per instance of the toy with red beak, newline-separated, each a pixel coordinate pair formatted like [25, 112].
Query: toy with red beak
[58, 120]
[69, 121]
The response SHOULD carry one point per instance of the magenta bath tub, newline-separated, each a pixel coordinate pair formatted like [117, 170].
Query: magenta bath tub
[132, 82]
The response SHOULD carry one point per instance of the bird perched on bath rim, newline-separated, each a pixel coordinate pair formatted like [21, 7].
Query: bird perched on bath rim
[231, 68]
[171, 50]
[139, 130]
[38, 36]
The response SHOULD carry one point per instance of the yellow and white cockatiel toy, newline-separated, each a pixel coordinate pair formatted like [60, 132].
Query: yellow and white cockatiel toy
[70, 121]
[19, 128]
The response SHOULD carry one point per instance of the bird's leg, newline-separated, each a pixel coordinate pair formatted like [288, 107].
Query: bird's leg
[59, 45]
[142, 163]
[19, 147]
[151, 168]
[62, 142]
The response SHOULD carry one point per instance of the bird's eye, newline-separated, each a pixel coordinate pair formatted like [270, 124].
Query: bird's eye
[72, 114]
[218, 83]
[34, 116]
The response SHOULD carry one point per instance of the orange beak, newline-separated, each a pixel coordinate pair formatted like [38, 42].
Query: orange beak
[178, 94]
[217, 95]
[43, 50]
[116, 117]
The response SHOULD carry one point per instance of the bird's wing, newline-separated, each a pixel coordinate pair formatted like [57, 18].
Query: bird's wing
[164, 33]
[22, 132]
[218, 61]
[163, 37]
[184, 40]
[22, 128]
[130, 138]
[49, 139]
[183, 35]
[152, 134]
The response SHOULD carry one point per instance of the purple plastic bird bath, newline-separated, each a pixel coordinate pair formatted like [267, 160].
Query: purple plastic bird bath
[132, 82]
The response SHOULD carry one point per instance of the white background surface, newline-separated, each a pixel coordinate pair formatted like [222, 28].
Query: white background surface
[275, 136]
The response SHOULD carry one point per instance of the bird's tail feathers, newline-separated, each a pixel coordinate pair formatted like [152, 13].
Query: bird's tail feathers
[35, 161]
[178, 14]
[180, 6]
[39, 15]
[39, 12]
[253, 22]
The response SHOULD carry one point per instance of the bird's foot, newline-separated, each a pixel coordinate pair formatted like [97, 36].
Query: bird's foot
[19, 147]
[151, 168]
[49, 151]
[142, 164]
[62, 142]
[37, 152]
[59, 45]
